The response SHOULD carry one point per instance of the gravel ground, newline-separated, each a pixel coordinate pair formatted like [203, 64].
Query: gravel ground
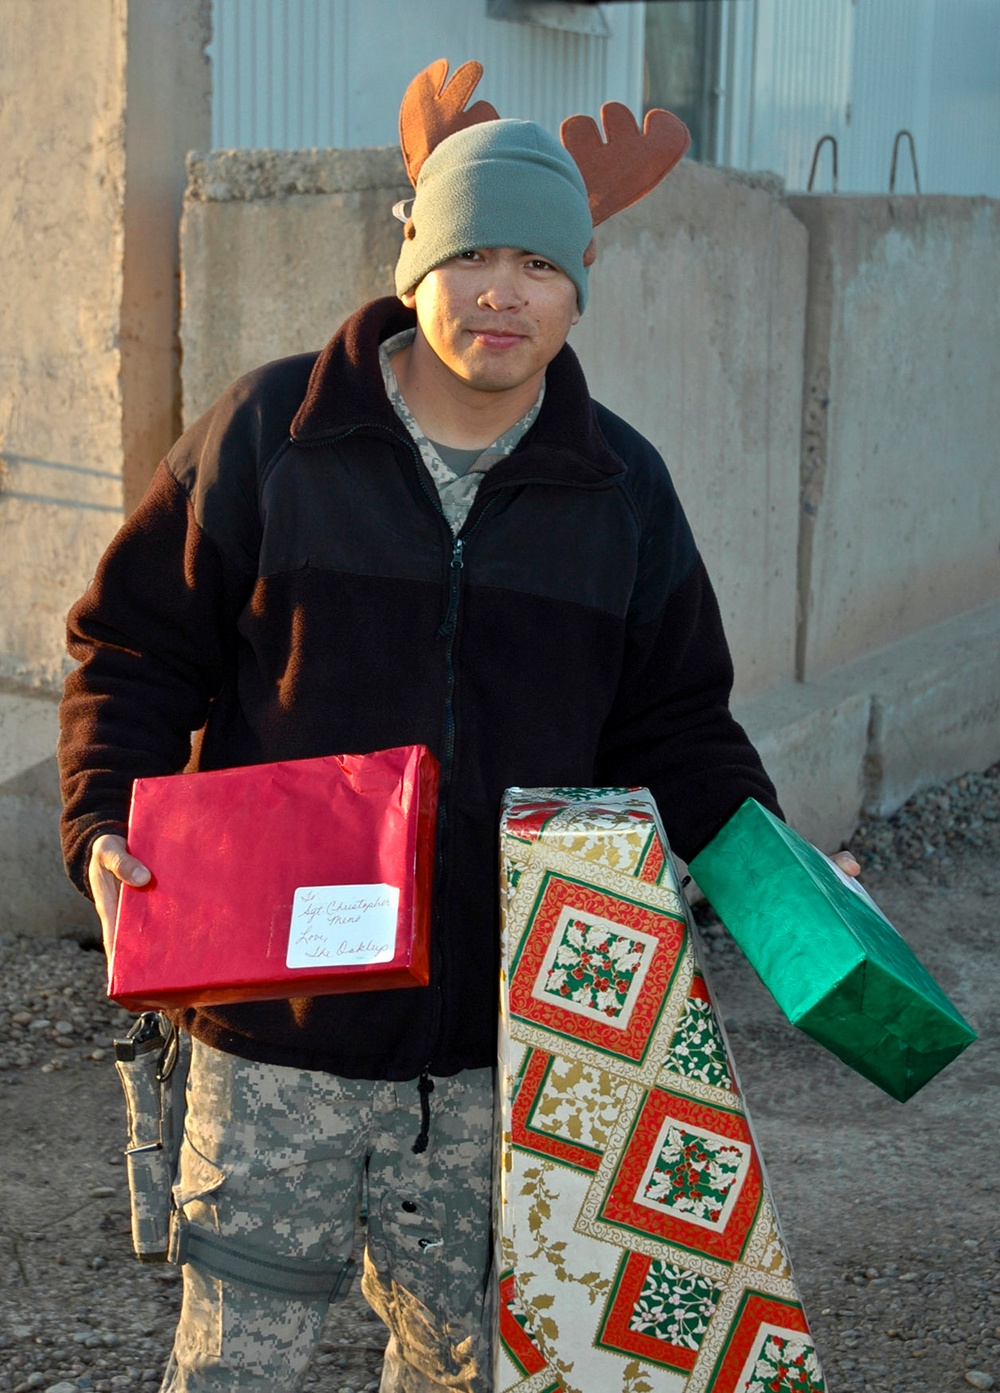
[891, 1214]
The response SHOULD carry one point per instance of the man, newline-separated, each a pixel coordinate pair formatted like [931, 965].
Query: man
[427, 533]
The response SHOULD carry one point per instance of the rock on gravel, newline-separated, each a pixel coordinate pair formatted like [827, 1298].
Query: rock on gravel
[53, 1008]
[934, 827]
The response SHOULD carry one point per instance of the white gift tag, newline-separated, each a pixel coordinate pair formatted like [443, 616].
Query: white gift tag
[342, 925]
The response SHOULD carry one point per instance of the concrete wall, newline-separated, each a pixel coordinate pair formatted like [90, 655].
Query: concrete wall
[901, 519]
[278, 249]
[746, 335]
[696, 338]
[89, 204]
[167, 113]
[714, 380]
[62, 210]
[815, 372]
[898, 639]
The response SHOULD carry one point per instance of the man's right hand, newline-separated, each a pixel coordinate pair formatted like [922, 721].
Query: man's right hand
[110, 865]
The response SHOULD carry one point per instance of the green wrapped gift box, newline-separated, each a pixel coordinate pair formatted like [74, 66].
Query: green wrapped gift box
[827, 954]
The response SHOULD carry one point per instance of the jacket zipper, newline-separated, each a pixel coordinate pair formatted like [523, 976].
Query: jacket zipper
[446, 630]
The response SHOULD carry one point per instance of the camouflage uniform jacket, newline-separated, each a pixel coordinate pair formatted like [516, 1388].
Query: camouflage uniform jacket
[290, 582]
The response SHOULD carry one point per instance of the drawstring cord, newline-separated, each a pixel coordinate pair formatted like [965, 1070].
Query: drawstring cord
[425, 1088]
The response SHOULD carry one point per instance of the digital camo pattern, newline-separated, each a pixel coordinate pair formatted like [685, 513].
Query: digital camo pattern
[148, 1155]
[274, 1159]
[638, 1248]
[456, 491]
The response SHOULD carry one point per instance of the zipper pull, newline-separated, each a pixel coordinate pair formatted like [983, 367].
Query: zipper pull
[425, 1087]
[457, 562]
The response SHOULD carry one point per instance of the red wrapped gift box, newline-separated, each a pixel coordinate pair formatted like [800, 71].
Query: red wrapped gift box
[298, 878]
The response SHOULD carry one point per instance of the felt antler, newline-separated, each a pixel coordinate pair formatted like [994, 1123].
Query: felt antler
[432, 110]
[623, 169]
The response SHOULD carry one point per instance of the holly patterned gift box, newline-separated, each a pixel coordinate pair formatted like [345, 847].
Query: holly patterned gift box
[638, 1247]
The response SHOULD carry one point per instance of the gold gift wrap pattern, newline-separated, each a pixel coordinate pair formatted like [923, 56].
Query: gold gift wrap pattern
[638, 1245]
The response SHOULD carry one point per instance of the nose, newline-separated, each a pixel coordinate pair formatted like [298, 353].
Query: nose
[502, 291]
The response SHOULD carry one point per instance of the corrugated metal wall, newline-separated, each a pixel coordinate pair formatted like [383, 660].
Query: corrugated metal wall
[890, 92]
[862, 70]
[963, 134]
[802, 81]
[274, 80]
[293, 74]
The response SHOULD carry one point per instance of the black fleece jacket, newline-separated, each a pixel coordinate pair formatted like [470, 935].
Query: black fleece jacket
[289, 583]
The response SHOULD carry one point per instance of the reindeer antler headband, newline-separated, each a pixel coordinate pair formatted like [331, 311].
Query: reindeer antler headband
[481, 181]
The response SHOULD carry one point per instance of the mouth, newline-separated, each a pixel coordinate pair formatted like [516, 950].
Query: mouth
[497, 338]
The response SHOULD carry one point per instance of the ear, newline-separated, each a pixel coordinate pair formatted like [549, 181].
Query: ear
[409, 299]
[590, 255]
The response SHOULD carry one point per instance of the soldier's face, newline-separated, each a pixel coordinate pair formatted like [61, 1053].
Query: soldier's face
[495, 317]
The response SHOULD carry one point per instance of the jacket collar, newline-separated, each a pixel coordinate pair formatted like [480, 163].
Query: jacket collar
[345, 393]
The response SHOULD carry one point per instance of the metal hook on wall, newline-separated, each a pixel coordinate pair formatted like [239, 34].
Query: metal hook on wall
[819, 145]
[913, 158]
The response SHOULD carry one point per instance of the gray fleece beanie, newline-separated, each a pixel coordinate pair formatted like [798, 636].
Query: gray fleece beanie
[498, 184]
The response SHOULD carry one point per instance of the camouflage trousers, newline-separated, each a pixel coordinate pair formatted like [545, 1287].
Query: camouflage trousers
[276, 1162]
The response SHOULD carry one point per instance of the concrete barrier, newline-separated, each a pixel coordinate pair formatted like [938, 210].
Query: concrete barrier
[62, 208]
[277, 250]
[901, 465]
[872, 732]
[814, 370]
[695, 333]
[855, 555]
[697, 341]
[36, 894]
[94, 120]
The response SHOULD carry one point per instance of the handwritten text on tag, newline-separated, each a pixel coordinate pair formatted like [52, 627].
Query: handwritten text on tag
[343, 925]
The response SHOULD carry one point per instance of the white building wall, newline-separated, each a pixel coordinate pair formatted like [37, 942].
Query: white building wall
[963, 136]
[297, 74]
[862, 70]
[801, 82]
[891, 91]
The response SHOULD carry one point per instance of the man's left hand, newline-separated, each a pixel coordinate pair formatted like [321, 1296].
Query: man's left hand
[847, 862]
